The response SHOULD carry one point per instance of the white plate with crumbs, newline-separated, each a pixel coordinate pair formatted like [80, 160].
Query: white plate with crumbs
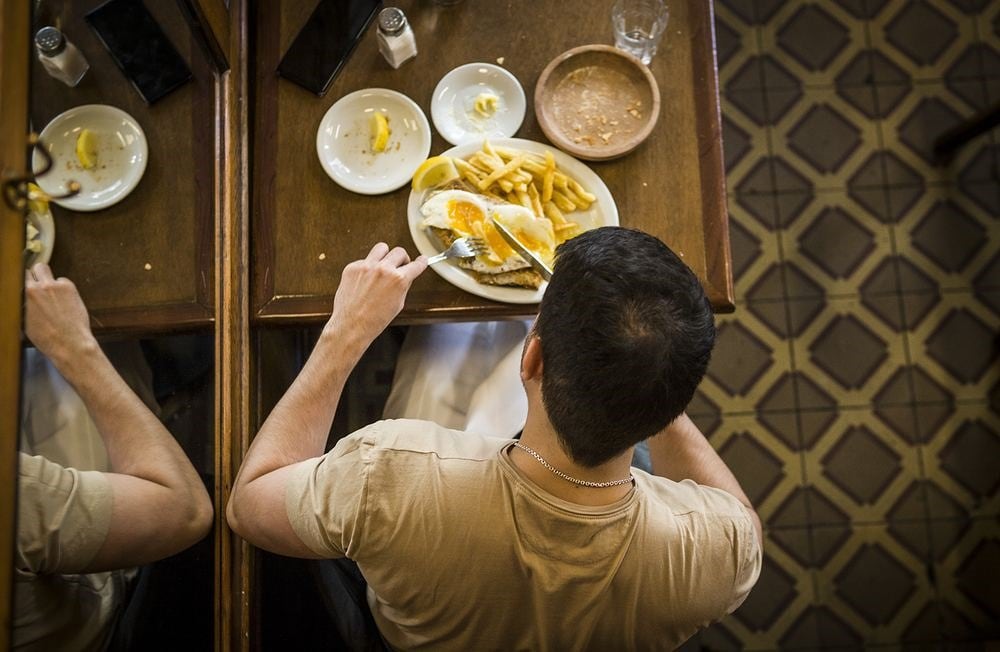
[344, 141]
[121, 156]
[477, 101]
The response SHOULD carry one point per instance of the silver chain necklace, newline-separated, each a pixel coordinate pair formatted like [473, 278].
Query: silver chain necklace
[568, 478]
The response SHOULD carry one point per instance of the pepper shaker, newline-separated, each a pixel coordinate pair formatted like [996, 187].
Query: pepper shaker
[395, 38]
[59, 57]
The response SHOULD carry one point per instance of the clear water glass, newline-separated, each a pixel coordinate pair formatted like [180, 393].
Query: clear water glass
[639, 26]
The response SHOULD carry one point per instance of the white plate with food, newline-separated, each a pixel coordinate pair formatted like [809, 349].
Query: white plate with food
[99, 146]
[477, 101]
[436, 207]
[372, 141]
[40, 236]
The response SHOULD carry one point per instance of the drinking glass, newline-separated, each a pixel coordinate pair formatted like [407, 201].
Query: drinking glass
[639, 26]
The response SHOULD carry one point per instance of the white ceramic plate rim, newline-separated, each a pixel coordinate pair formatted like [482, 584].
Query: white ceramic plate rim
[466, 75]
[402, 174]
[46, 235]
[603, 212]
[55, 180]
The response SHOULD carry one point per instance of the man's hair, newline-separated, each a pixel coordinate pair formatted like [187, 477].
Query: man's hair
[626, 334]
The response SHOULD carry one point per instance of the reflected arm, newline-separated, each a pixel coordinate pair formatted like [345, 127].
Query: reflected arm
[159, 504]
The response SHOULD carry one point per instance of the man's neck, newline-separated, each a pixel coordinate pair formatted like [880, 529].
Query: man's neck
[541, 438]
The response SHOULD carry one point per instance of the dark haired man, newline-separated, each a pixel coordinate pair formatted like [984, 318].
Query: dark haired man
[551, 541]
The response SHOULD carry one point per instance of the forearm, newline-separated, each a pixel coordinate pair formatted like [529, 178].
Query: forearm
[137, 443]
[682, 452]
[298, 426]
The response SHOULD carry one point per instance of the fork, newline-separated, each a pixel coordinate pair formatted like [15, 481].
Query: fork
[464, 247]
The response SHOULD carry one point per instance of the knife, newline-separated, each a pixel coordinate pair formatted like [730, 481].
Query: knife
[523, 251]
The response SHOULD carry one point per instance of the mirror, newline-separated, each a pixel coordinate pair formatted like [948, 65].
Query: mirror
[114, 548]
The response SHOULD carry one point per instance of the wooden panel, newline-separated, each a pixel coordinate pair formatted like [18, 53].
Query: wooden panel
[672, 186]
[232, 335]
[167, 221]
[13, 159]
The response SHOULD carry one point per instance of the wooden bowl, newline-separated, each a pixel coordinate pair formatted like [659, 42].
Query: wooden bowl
[596, 102]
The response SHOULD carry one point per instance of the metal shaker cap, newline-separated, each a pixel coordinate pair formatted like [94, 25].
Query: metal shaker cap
[50, 41]
[391, 21]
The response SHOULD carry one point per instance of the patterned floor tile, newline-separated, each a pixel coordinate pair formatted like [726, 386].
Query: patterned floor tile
[956, 345]
[849, 354]
[747, 360]
[965, 572]
[924, 37]
[928, 111]
[767, 468]
[873, 588]
[948, 237]
[813, 40]
[825, 138]
[959, 459]
[754, 249]
[837, 244]
[860, 465]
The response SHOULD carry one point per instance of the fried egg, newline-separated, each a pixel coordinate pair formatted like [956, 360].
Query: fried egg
[468, 214]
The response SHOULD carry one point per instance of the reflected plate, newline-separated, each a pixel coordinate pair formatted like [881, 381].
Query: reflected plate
[121, 156]
[603, 212]
[452, 106]
[343, 142]
[41, 220]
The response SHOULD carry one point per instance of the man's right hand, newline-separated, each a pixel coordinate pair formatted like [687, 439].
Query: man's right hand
[55, 319]
[371, 293]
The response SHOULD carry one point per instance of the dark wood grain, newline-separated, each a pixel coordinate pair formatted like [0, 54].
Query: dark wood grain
[167, 221]
[671, 186]
[233, 571]
[13, 161]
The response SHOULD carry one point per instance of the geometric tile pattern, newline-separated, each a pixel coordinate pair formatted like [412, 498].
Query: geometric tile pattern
[875, 584]
[855, 392]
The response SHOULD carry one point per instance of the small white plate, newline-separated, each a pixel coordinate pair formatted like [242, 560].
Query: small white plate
[452, 106]
[121, 156]
[46, 235]
[343, 142]
[603, 212]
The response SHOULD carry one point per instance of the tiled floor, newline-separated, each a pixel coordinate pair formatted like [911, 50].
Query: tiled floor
[856, 391]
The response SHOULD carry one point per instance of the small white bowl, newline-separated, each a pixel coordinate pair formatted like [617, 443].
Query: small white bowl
[452, 106]
[343, 142]
[121, 156]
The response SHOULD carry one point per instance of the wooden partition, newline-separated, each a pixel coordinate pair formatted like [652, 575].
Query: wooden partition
[13, 163]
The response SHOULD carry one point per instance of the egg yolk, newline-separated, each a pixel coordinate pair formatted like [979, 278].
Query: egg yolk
[462, 215]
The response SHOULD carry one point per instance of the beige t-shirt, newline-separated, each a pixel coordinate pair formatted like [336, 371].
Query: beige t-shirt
[63, 516]
[461, 551]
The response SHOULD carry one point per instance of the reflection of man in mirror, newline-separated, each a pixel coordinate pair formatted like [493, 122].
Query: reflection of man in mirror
[550, 541]
[102, 485]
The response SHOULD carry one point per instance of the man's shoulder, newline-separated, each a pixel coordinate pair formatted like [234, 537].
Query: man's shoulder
[413, 436]
[688, 498]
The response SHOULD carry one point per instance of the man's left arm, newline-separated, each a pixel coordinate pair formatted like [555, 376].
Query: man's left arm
[371, 293]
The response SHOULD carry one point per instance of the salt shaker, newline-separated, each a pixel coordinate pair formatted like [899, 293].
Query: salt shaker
[59, 57]
[395, 38]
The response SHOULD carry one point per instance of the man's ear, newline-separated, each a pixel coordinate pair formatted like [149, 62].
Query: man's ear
[531, 360]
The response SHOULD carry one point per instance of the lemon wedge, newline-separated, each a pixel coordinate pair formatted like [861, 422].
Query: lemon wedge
[434, 171]
[380, 131]
[86, 149]
[37, 200]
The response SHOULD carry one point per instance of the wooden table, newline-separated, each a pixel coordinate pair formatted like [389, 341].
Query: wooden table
[672, 186]
[167, 222]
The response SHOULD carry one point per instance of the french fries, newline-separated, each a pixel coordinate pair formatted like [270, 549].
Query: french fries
[530, 180]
